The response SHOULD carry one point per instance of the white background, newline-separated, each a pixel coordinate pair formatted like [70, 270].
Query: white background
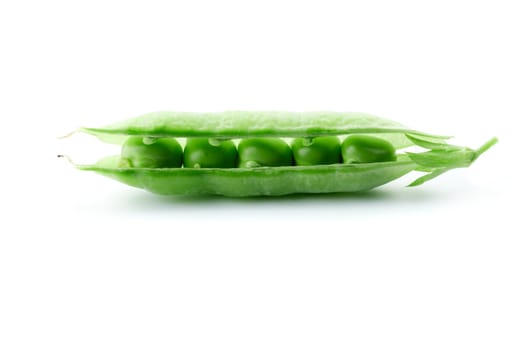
[88, 263]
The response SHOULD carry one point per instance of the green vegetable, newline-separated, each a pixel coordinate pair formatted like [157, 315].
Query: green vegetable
[317, 150]
[262, 152]
[262, 181]
[367, 149]
[242, 124]
[140, 152]
[372, 153]
[206, 153]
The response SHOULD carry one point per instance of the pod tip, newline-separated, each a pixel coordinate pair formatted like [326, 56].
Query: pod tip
[66, 157]
[67, 135]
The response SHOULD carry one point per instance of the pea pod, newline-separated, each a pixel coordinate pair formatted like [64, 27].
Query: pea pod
[243, 124]
[283, 178]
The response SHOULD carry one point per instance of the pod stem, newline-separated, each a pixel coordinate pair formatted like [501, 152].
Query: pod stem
[485, 147]
[440, 160]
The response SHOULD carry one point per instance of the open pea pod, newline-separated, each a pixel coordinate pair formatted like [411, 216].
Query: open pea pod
[360, 168]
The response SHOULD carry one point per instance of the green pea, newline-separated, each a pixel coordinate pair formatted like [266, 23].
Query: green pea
[257, 152]
[317, 150]
[209, 153]
[367, 149]
[140, 152]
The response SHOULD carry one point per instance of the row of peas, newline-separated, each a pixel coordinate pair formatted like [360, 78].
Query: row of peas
[140, 152]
